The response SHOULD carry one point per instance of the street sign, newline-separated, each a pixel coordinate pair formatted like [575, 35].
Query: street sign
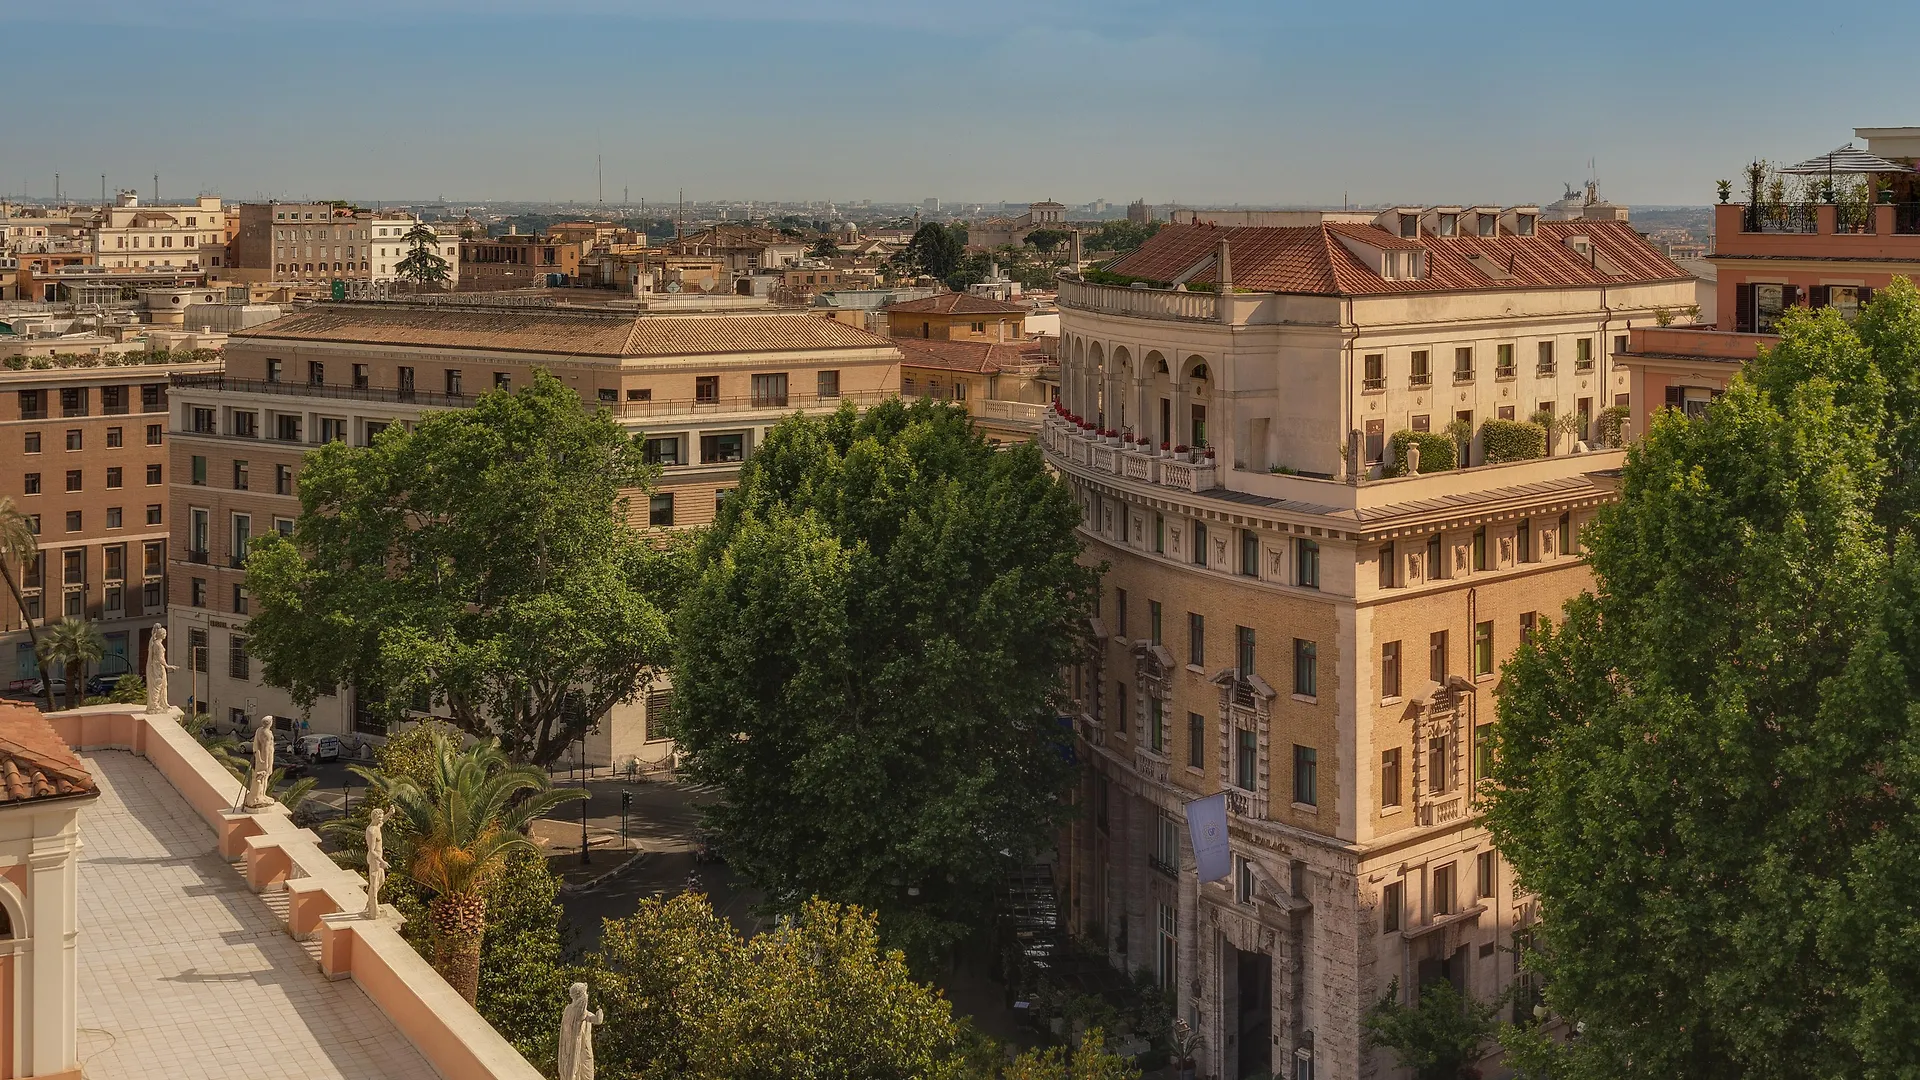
[339, 289]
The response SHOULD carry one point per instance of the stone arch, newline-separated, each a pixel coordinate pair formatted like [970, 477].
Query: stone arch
[13, 911]
[1195, 367]
[1155, 363]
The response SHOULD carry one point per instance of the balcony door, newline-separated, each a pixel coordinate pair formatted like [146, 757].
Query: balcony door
[1199, 431]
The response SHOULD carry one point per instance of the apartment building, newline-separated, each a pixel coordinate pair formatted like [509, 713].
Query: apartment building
[702, 387]
[129, 235]
[299, 242]
[1285, 622]
[83, 455]
[390, 247]
[1770, 258]
[974, 350]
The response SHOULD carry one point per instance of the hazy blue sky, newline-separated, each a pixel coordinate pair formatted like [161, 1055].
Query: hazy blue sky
[980, 100]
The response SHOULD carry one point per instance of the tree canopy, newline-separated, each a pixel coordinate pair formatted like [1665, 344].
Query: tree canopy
[870, 659]
[934, 249]
[1708, 773]
[423, 264]
[481, 562]
[1122, 236]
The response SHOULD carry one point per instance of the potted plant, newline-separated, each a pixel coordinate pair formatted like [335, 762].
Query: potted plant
[1726, 189]
[1186, 1043]
[1181, 451]
[1209, 453]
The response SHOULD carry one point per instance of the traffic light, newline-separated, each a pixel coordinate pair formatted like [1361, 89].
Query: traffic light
[626, 800]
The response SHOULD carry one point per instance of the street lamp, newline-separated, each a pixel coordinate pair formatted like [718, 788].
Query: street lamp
[586, 854]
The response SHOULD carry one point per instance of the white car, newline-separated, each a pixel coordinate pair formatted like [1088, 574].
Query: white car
[318, 747]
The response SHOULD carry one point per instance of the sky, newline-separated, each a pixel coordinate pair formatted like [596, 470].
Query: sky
[1198, 103]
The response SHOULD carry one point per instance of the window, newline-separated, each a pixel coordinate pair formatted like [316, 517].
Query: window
[150, 596]
[114, 476]
[1523, 541]
[240, 539]
[827, 384]
[1437, 656]
[1583, 354]
[73, 564]
[662, 451]
[197, 641]
[1306, 668]
[722, 447]
[1443, 889]
[1305, 781]
[1199, 543]
[1421, 422]
[197, 593]
[154, 434]
[1375, 366]
[1120, 704]
[283, 526]
[153, 475]
[360, 377]
[316, 373]
[238, 667]
[30, 483]
[1437, 764]
[1306, 560]
[1482, 649]
[283, 479]
[1480, 548]
[1249, 553]
[1390, 670]
[199, 463]
[153, 513]
[1523, 224]
[660, 509]
[32, 443]
[1529, 622]
[404, 378]
[453, 382]
[1153, 621]
[1157, 725]
[1243, 641]
[1387, 569]
[1196, 639]
[198, 527]
[1565, 538]
[1243, 880]
[1390, 904]
[1503, 361]
[1436, 566]
[1120, 611]
[239, 599]
[33, 404]
[73, 479]
[1159, 533]
[332, 430]
[1620, 341]
[1482, 752]
[1449, 224]
[115, 438]
[202, 422]
[115, 518]
[1463, 363]
[1246, 760]
[75, 440]
[239, 474]
[706, 389]
[73, 401]
[1390, 777]
[1375, 442]
[274, 369]
[73, 521]
[1196, 741]
[1419, 371]
[640, 394]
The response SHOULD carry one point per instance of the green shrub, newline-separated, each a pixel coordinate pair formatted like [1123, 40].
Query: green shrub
[1511, 440]
[1436, 452]
[1612, 419]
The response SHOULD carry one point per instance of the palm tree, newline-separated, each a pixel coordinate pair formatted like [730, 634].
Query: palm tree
[455, 834]
[73, 644]
[19, 546]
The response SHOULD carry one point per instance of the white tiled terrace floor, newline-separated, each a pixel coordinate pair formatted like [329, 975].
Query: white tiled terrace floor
[185, 972]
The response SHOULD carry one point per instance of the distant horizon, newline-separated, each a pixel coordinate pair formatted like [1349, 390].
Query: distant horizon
[1243, 103]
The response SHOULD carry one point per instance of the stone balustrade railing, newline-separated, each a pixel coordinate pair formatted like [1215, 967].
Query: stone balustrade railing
[1140, 303]
[324, 899]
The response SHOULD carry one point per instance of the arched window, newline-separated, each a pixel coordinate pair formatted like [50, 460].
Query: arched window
[6, 923]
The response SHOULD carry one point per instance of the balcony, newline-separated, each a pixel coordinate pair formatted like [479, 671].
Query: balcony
[1135, 461]
[1246, 804]
[1462, 377]
[1505, 372]
[1887, 231]
[330, 390]
[1544, 368]
[200, 557]
[1379, 383]
[700, 406]
[1140, 303]
[1163, 868]
[1419, 382]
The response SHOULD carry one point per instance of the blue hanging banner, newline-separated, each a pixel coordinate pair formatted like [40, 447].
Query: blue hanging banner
[1207, 825]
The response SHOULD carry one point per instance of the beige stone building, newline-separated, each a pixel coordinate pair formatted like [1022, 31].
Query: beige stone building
[1281, 622]
[702, 387]
[130, 235]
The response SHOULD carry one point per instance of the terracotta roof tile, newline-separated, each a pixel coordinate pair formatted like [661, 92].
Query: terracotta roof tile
[35, 763]
[578, 334]
[1311, 259]
[958, 303]
[978, 357]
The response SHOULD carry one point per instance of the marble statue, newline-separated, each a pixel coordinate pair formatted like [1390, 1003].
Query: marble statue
[376, 860]
[157, 668]
[257, 795]
[576, 1035]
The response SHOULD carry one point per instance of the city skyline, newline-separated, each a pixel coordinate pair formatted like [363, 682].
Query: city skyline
[857, 100]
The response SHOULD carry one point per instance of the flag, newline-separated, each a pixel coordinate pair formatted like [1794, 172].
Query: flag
[1207, 825]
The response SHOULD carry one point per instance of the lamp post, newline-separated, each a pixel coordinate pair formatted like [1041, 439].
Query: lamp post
[586, 853]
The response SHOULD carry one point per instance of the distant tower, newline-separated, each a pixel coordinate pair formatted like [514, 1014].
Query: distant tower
[931, 206]
[1138, 212]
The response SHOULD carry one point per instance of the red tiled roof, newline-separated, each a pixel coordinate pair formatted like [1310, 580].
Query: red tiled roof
[35, 763]
[1312, 259]
[959, 303]
[977, 357]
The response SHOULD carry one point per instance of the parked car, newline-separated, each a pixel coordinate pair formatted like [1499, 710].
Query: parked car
[318, 748]
[38, 688]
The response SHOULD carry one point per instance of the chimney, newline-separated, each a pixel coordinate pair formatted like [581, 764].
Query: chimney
[1223, 305]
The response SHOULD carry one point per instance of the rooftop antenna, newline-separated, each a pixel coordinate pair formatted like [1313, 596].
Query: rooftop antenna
[600, 178]
[103, 187]
[156, 189]
[56, 187]
[681, 224]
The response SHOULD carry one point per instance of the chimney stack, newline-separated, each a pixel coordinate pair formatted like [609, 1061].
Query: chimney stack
[1223, 305]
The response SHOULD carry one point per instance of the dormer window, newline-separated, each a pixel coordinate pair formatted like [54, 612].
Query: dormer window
[1489, 225]
[1410, 226]
[1523, 224]
[1449, 224]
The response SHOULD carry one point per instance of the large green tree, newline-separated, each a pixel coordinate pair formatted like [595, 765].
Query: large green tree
[19, 549]
[70, 644]
[1709, 773]
[934, 249]
[870, 659]
[482, 561]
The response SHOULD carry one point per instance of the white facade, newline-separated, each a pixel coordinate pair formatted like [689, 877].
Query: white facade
[388, 246]
[130, 235]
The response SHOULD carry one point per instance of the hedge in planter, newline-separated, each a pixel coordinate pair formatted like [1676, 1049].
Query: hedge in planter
[1612, 419]
[1511, 440]
[1436, 452]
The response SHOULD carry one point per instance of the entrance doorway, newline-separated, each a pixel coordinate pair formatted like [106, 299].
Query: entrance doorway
[1166, 422]
[1199, 427]
[1254, 979]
